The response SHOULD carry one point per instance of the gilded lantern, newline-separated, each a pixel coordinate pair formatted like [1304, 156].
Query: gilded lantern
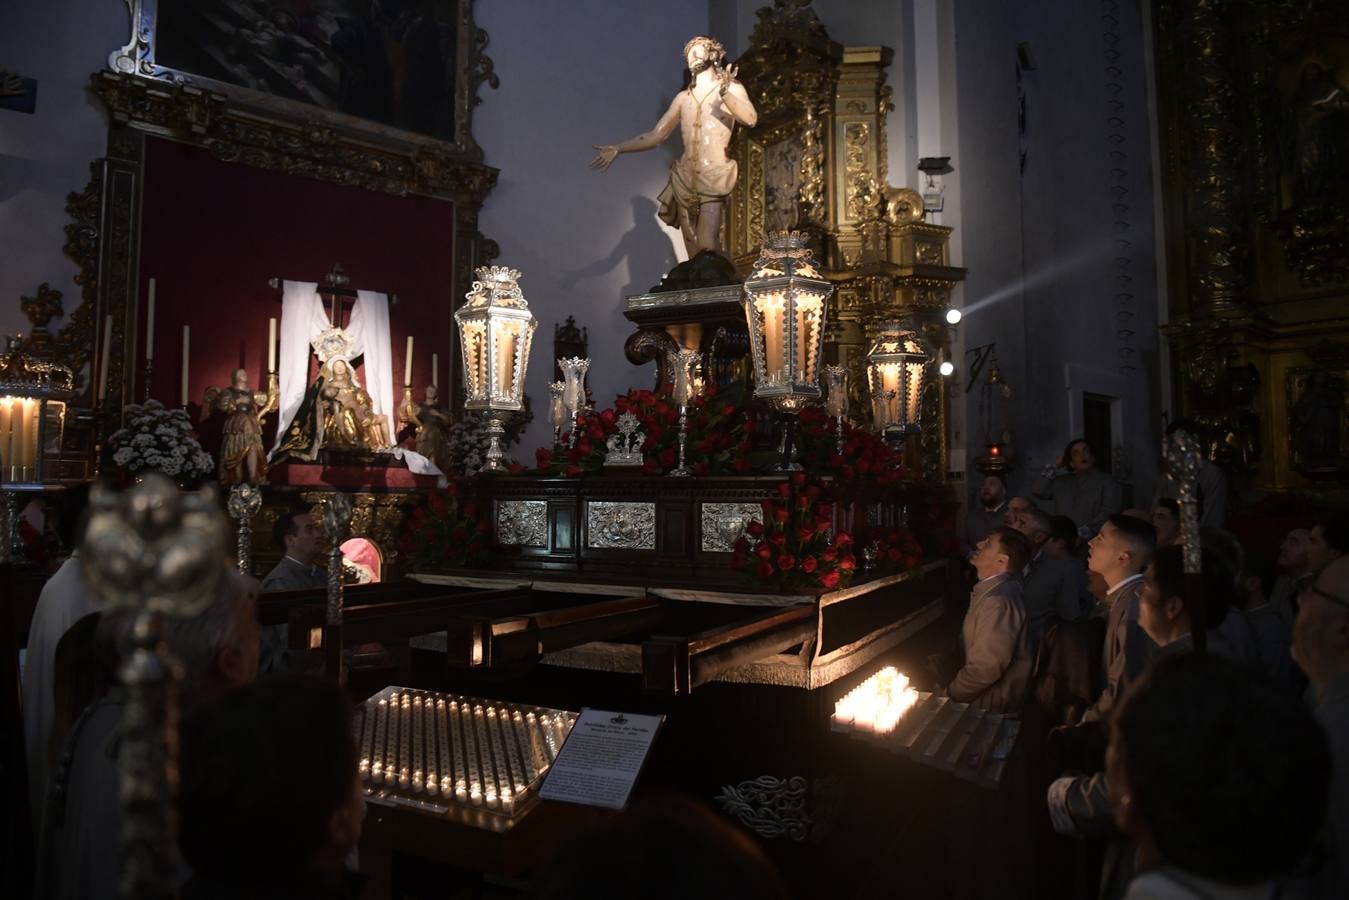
[495, 331]
[33, 398]
[785, 306]
[896, 368]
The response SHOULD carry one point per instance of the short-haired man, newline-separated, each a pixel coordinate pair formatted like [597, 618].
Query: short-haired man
[993, 636]
[271, 801]
[1193, 728]
[1119, 553]
[1079, 804]
[1166, 519]
[1321, 648]
[1017, 506]
[1053, 587]
[1328, 541]
[81, 851]
[1294, 569]
[301, 545]
[989, 513]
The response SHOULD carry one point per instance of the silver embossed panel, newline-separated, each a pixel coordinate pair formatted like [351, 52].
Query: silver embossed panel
[724, 522]
[611, 525]
[522, 523]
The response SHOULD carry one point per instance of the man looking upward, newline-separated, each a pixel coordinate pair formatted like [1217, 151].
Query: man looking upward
[700, 180]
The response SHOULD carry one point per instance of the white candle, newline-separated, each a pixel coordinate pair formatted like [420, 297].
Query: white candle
[187, 344]
[407, 364]
[19, 442]
[150, 323]
[435, 369]
[271, 345]
[103, 362]
[6, 444]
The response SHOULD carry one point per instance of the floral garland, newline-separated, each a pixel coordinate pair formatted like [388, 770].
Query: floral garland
[443, 532]
[791, 548]
[156, 439]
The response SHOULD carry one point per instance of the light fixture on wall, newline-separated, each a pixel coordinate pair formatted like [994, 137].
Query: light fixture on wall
[933, 168]
[896, 369]
[786, 303]
[495, 330]
[953, 316]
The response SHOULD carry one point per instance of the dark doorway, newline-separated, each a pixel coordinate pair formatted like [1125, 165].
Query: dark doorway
[1096, 427]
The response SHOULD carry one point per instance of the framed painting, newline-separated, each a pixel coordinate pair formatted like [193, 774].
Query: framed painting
[408, 67]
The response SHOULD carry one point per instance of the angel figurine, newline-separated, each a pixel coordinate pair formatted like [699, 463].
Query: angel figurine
[242, 458]
[432, 425]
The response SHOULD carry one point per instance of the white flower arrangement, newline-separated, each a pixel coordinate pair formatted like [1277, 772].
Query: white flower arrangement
[468, 440]
[156, 439]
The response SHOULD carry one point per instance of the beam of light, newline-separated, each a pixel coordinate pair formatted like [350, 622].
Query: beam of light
[1088, 254]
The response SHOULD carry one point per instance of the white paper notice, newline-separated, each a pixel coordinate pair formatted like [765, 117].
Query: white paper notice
[600, 761]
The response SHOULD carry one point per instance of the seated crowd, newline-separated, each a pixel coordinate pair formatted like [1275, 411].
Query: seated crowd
[1213, 774]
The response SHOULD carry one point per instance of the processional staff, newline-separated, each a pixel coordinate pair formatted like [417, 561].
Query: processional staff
[152, 554]
[336, 521]
[244, 502]
[1183, 459]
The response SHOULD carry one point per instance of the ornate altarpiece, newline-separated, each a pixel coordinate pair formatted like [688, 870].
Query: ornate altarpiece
[1254, 103]
[817, 161]
[233, 124]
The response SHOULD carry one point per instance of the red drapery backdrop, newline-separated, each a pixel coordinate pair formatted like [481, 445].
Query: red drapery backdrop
[213, 233]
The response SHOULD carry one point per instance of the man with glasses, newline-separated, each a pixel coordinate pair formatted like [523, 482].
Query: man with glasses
[1321, 648]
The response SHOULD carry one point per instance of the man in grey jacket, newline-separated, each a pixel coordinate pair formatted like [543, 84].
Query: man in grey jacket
[1119, 554]
[993, 636]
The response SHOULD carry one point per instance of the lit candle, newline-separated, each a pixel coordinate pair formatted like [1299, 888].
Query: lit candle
[435, 369]
[503, 375]
[18, 415]
[6, 446]
[271, 345]
[103, 361]
[407, 364]
[150, 324]
[771, 309]
[187, 344]
[30, 456]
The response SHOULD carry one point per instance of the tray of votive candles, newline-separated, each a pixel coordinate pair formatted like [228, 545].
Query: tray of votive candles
[474, 760]
[929, 729]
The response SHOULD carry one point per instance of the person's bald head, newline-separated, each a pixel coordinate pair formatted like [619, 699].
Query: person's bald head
[1321, 632]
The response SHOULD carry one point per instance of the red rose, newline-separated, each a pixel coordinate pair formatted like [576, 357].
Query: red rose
[755, 528]
[748, 427]
[893, 554]
[765, 570]
[802, 501]
[829, 579]
[808, 564]
[607, 417]
[798, 478]
[847, 564]
[596, 432]
[843, 539]
[784, 490]
[662, 407]
[728, 410]
[741, 464]
[711, 390]
[515, 467]
[806, 533]
[584, 446]
[763, 551]
[829, 554]
[777, 538]
[786, 561]
[781, 515]
[572, 470]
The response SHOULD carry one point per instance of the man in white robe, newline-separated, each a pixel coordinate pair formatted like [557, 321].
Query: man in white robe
[66, 598]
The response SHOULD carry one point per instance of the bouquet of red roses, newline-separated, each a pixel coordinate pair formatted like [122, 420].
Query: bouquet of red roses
[441, 532]
[716, 443]
[791, 547]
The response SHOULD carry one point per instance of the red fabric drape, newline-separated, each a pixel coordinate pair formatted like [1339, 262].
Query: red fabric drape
[214, 232]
